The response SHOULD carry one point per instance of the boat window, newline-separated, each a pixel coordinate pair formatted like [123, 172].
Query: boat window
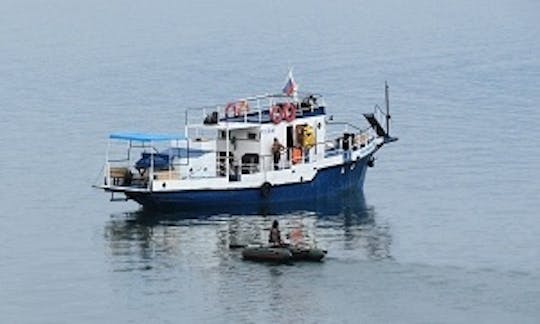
[250, 163]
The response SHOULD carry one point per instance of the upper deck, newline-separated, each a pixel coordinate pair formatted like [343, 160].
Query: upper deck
[260, 109]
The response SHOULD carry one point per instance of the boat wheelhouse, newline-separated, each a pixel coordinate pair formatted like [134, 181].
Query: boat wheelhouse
[256, 150]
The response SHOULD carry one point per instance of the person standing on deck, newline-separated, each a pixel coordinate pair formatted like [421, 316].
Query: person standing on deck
[277, 148]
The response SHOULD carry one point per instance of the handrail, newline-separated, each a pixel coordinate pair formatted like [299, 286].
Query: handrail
[347, 124]
[117, 160]
[256, 106]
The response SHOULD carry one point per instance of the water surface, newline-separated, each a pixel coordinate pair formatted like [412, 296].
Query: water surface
[447, 228]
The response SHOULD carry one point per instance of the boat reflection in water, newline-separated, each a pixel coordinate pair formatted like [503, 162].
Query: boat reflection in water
[345, 226]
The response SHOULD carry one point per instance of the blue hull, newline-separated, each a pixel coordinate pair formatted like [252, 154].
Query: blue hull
[329, 182]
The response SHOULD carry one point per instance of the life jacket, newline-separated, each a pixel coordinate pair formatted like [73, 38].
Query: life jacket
[296, 155]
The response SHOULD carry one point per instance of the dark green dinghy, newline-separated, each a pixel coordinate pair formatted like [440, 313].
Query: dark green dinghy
[282, 254]
[307, 253]
[267, 254]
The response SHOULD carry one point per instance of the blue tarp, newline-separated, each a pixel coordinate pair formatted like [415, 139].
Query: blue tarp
[141, 137]
[163, 159]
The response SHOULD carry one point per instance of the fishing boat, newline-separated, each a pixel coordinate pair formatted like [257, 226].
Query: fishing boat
[265, 149]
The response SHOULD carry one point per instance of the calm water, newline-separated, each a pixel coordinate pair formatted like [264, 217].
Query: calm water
[447, 229]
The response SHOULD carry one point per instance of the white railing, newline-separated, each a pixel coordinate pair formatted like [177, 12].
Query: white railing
[257, 106]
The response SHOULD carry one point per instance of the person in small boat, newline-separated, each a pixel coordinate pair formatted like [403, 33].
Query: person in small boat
[277, 147]
[275, 235]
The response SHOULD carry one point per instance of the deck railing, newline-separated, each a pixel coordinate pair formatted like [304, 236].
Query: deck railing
[258, 106]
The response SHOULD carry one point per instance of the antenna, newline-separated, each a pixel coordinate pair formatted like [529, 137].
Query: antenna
[387, 101]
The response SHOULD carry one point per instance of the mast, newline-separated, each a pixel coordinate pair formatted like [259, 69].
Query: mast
[227, 147]
[387, 101]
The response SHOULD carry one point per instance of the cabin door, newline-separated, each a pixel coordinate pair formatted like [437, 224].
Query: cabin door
[290, 140]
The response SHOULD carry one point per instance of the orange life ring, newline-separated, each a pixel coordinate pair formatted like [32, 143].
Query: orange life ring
[241, 107]
[276, 114]
[289, 111]
[231, 106]
[237, 108]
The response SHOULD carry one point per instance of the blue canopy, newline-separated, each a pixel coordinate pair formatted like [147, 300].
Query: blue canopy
[141, 137]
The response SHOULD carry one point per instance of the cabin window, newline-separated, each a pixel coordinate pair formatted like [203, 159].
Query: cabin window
[252, 136]
[222, 134]
[250, 163]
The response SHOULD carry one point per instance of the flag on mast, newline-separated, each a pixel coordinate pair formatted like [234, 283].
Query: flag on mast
[290, 87]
